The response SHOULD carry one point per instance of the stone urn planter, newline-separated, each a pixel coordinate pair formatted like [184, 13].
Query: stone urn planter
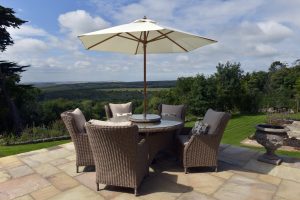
[271, 137]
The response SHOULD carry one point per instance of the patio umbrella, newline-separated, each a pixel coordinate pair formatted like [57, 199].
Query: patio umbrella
[143, 36]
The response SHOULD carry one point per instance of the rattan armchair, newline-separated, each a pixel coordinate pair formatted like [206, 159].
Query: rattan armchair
[202, 150]
[84, 156]
[121, 159]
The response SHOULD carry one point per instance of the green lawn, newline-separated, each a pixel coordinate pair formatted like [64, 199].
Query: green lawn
[16, 149]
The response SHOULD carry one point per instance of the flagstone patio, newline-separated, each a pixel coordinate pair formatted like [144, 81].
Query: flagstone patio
[51, 174]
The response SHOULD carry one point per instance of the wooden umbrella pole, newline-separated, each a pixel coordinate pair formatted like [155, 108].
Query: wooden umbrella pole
[145, 78]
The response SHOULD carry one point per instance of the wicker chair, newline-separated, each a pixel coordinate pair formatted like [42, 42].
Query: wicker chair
[202, 150]
[84, 156]
[175, 110]
[109, 112]
[121, 159]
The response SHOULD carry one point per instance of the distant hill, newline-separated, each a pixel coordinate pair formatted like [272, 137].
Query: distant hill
[104, 91]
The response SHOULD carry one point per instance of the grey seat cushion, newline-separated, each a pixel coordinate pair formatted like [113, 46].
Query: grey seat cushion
[79, 120]
[172, 110]
[120, 109]
[213, 119]
[183, 139]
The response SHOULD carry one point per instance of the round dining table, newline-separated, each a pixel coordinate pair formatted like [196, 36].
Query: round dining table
[159, 135]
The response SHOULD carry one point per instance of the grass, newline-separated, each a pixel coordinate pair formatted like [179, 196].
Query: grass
[16, 149]
[242, 126]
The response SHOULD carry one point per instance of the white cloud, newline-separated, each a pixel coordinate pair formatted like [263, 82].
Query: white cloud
[27, 46]
[79, 22]
[275, 30]
[265, 50]
[26, 31]
[82, 64]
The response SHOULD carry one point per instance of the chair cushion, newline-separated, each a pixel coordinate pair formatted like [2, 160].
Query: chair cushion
[79, 120]
[109, 123]
[183, 139]
[213, 119]
[200, 128]
[120, 108]
[172, 110]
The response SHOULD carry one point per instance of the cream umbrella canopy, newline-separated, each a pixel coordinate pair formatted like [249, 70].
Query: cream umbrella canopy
[143, 36]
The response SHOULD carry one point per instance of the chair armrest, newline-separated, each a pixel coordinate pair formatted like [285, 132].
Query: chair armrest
[202, 141]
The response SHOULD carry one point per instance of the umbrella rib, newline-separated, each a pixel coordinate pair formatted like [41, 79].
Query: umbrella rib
[138, 44]
[138, 39]
[173, 41]
[163, 36]
[127, 38]
[103, 41]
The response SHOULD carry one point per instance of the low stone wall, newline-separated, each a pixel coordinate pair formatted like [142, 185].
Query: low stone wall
[66, 137]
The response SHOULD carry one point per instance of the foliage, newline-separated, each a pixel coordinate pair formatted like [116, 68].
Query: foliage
[7, 19]
[230, 89]
[14, 96]
[11, 92]
[30, 134]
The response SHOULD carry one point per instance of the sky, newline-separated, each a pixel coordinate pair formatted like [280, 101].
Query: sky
[252, 32]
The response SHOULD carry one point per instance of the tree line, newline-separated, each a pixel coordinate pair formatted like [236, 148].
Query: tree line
[231, 89]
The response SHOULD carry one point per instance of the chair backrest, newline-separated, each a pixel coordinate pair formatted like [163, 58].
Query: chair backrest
[114, 149]
[172, 110]
[112, 110]
[70, 123]
[217, 121]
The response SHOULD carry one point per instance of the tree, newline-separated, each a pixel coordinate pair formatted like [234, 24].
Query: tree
[9, 76]
[228, 83]
[7, 19]
[9, 71]
[202, 95]
[253, 86]
[276, 65]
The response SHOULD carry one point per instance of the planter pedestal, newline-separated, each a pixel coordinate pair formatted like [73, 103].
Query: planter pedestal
[271, 137]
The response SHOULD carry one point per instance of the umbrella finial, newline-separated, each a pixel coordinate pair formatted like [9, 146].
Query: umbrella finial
[145, 17]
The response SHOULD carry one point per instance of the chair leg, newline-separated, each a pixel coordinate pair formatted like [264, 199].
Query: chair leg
[77, 169]
[186, 170]
[98, 189]
[135, 191]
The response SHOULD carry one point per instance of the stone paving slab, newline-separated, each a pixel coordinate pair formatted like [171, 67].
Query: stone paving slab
[289, 190]
[45, 193]
[237, 155]
[51, 174]
[243, 188]
[78, 193]
[20, 171]
[21, 186]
